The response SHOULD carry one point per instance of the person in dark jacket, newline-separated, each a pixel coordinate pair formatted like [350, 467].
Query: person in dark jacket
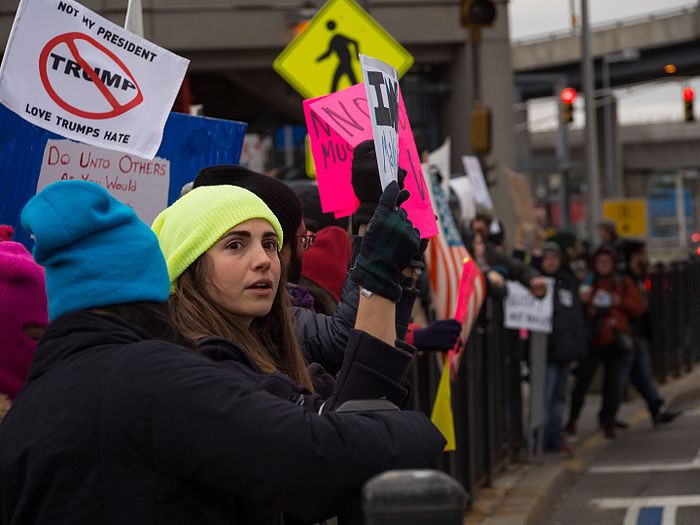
[636, 368]
[611, 301]
[566, 344]
[121, 422]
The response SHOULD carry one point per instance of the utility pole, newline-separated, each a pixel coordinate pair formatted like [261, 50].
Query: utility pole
[592, 167]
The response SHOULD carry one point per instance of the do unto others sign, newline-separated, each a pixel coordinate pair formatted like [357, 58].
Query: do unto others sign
[70, 71]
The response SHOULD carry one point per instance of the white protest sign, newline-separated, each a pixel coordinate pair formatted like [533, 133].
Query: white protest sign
[72, 72]
[524, 310]
[481, 191]
[382, 88]
[139, 183]
[440, 159]
[464, 189]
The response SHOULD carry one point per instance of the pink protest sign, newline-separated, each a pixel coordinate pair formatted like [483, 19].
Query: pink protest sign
[339, 122]
[469, 300]
[332, 152]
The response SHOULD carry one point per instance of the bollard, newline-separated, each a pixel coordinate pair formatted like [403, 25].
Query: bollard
[413, 497]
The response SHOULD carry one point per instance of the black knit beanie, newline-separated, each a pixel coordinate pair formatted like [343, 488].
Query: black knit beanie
[281, 199]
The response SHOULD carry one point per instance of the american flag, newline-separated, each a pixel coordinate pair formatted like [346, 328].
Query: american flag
[446, 260]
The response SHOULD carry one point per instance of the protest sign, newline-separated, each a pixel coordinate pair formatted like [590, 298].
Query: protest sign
[28, 153]
[464, 189]
[524, 310]
[470, 298]
[481, 191]
[336, 124]
[440, 160]
[382, 89]
[140, 183]
[72, 72]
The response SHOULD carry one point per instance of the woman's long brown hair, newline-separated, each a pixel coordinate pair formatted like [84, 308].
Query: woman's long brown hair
[270, 341]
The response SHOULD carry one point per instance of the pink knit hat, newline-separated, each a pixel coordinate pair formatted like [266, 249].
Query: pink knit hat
[326, 262]
[6, 232]
[22, 303]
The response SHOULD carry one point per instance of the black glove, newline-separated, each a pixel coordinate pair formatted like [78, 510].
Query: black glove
[366, 182]
[388, 246]
[437, 336]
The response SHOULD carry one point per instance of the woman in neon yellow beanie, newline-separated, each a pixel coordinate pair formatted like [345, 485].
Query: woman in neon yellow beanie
[221, 247]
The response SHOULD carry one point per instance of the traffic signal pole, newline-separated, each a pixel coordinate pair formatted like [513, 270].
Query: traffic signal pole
[564, 161]
[592, 167]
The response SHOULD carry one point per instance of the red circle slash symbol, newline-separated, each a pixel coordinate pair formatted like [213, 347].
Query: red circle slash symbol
[69, 40]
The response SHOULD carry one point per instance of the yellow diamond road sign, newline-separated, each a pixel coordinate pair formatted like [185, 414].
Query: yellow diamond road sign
[629, 216]
[323, 58]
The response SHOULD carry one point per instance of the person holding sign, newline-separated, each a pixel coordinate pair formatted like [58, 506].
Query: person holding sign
[122, 421]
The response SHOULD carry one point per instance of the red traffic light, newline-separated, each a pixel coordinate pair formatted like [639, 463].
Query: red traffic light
[568, 95]
[688, 94]
[695, 237]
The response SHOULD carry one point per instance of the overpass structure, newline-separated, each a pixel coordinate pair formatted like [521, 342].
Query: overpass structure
[669, 37]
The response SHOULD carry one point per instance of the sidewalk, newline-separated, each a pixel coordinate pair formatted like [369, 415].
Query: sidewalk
[524, 494]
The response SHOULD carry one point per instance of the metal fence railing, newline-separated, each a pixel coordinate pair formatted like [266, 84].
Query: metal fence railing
[486, 397]
[675, 309]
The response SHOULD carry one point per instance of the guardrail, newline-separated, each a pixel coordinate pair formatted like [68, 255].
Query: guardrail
[674, 302]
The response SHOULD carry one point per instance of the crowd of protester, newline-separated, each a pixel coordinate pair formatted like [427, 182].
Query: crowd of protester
[246, 358]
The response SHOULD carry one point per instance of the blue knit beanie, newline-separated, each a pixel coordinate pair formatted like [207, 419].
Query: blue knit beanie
[95, 250]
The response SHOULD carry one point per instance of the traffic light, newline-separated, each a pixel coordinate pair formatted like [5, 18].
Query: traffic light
[688, 100]
[567, 95]
[477, 13]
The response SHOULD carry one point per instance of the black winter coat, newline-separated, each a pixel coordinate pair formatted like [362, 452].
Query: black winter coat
[114, 427]
[569, 338]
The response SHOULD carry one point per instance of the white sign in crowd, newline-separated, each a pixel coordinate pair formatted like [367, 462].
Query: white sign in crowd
[75, 73]
[140, 183]
[524, 310]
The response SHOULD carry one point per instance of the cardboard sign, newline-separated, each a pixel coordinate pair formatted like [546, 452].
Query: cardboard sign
[72, 72]
[139, 183]
[323, 58]
[28, 153]
[339, 122]
[524, 310]
[382, 88]
[481, 191]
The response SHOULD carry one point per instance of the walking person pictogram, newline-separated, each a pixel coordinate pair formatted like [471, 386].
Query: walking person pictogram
[340, 45]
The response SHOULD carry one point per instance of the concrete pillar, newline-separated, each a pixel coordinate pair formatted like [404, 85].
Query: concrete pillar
[497, 89]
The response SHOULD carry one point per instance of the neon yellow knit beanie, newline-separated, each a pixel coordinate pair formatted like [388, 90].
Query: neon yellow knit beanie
[198, 219]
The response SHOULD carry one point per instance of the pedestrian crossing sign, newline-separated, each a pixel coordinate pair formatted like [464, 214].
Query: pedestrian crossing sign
[323, 58]
[629, 216]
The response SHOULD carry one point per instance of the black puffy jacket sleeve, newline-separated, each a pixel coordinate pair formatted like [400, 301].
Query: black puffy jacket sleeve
[219, 429]
[323, 338]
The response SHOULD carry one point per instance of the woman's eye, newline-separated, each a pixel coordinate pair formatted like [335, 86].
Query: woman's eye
[234, 245]
[270, 245]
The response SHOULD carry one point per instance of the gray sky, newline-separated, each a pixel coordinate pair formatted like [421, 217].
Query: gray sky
[660, 101]
[537, 17]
